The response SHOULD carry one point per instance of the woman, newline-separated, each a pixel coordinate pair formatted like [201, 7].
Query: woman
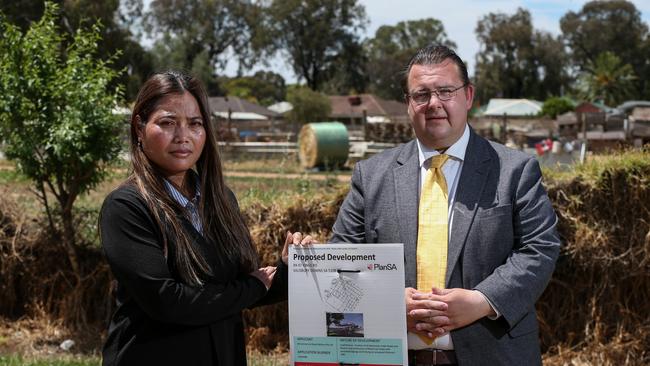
[176, 241]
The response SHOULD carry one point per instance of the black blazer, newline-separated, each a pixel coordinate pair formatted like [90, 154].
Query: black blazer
[159, 320]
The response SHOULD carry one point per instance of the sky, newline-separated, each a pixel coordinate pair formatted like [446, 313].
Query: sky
[459, 18]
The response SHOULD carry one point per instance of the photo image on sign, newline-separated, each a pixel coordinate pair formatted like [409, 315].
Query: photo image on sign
[344, 324]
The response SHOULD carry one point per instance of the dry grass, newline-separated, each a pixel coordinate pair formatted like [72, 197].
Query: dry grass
[272, 164]
[40, 336]
[281, 164]
[595, 310]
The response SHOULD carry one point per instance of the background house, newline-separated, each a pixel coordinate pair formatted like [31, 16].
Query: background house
[370, 117]
[514, 122]
[238, 118]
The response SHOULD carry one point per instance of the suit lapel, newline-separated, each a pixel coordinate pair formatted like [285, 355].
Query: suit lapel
[406, 177]
[472, 181]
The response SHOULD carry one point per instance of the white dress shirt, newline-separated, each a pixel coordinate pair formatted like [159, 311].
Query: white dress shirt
[451, 170]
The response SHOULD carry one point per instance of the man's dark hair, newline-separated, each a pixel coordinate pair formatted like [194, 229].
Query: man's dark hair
[431, 55]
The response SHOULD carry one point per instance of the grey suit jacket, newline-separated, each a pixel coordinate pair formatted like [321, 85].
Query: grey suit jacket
[503, 240]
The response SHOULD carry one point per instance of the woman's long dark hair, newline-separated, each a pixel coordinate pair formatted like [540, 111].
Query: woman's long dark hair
[223, 224]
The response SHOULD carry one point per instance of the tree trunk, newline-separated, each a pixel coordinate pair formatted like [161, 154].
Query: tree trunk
[69, 239]
[72, 308]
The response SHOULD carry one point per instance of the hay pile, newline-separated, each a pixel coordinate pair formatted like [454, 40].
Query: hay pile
[37, 281]
[268, 326]
[596, 308]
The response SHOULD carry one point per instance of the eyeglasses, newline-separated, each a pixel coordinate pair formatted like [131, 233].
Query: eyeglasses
[424, 96]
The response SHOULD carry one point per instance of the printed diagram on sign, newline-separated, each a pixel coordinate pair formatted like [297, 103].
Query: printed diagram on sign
[343, 295]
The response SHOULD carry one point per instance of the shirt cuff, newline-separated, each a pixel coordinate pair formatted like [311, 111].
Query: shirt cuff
[495, 317]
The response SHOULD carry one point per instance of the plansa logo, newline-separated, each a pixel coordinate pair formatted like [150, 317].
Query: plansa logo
[382, 267]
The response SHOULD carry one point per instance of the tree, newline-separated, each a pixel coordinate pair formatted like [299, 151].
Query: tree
[515, 61]
[308, 105]
[391, 49]
[56, 115]
[607, 80]
[315, 34]
[555, 106]
[644, 82]
[347, 73]
[551, 60]
[215, 30]
[334, 318]
[264, 87]
[171, 52]
[607, 26]
[117, 17]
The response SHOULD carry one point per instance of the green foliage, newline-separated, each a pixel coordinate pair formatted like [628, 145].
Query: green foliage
[56, 115]
[555, 106]
[118, 17]
[347, 74]
[264, 87]
[317, 36]
[516, 61]
[206, 29]
[308, 105]
[172, 52]
[609, 26]
[607, 80]
[391, 49]
[334, 318]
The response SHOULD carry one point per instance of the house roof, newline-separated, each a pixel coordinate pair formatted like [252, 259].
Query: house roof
[568, 118]
[513, 107]
[344, 106]
[632, 104]
[248, 116]
[592, 107]
[281, 107]
[235, 104]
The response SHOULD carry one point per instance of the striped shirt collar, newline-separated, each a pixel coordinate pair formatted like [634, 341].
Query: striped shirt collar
[191, 206]
[179, 197]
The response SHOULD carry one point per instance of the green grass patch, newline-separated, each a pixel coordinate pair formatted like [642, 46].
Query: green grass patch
[258, 359]
[279, 191]
[16, 360]
[9, 174]
[248, 163]
[595, 166]
[285, 164]
[254, 359]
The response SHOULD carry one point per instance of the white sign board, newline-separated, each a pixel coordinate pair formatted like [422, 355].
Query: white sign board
[346, 305]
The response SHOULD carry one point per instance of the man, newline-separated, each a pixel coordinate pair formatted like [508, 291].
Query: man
[497, 229]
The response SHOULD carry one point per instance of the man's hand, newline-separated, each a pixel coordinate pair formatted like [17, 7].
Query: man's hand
[424, 315]
[463, 306]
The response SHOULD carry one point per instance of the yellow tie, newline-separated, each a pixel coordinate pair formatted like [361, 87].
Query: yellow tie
[432, 230]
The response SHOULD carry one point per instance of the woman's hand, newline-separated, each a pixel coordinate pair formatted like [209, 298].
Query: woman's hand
[265, 274]
[295, 239]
